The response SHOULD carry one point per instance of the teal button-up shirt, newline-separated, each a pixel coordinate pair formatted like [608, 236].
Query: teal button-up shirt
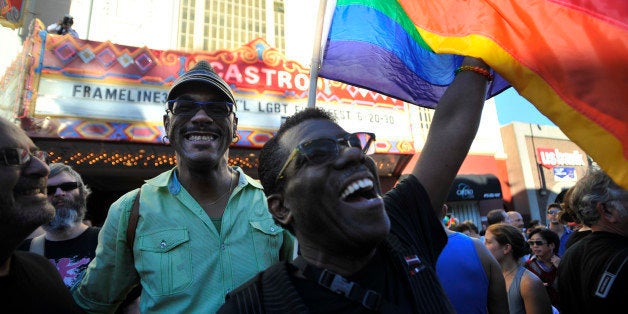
[183, 263]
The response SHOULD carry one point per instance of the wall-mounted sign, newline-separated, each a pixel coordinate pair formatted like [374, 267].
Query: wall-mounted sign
[552, 157]
[472, 187]
[565, 174]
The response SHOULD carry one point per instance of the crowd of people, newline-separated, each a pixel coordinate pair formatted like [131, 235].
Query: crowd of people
[316, 235]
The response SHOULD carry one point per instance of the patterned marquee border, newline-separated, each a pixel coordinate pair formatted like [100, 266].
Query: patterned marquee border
[68, 128]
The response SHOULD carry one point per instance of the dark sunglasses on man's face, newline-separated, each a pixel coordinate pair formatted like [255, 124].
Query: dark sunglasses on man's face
[188, 108]
[67, 186]
[20, 156]
[322, 150]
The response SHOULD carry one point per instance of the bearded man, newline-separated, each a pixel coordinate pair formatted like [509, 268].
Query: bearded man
[68, 243]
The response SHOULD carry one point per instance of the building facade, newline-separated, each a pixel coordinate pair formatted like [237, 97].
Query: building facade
[542, 162]
[132, 47]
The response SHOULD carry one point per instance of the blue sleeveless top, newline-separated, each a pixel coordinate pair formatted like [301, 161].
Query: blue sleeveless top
[462, 276]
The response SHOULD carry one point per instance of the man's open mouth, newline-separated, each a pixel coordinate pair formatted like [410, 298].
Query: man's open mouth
[194, 137]
[358, 190]
[29, 191]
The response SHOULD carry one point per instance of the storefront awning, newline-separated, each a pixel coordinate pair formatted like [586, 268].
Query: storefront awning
[474, 187]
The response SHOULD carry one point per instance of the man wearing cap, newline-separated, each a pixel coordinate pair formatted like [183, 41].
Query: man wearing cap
[203, 228]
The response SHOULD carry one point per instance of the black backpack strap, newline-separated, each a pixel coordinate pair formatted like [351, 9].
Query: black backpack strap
[338, 284]
[270, 291]
[613, 267]
[133, 219]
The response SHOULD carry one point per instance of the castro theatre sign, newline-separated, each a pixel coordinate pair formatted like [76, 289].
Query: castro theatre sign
[106, 91]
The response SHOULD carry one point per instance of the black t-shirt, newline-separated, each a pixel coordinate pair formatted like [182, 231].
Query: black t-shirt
[575, 237]
[34, 286]
[377, 275]
[581, 269]
[70, 257]
[403, 269]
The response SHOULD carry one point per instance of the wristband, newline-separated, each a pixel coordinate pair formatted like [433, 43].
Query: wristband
[476, 69]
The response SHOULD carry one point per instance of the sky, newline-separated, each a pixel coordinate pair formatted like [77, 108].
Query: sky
[512, 107]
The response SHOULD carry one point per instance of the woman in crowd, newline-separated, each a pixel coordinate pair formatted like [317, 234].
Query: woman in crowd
[544, 261]
[526, 293]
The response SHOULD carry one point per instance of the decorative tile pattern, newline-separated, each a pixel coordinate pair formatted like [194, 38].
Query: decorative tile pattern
[106, 57]
[95, 130]
[144, 61]
[142, 133]
[87, 55]
[125, 60]
[65, 52]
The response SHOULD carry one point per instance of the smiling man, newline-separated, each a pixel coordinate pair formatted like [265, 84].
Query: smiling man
[361, 251]
[28, 282]
[203, 227]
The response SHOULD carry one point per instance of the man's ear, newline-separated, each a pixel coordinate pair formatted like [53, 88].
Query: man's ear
[608, 214]
[235, 126]
[276, 208]
[166, 123]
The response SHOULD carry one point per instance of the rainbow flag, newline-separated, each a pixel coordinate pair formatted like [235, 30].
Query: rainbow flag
[567, 57]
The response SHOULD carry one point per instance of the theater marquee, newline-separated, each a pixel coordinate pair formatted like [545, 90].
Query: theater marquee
[103, 91]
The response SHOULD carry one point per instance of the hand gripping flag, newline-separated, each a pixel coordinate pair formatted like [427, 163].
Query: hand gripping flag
[567, 57]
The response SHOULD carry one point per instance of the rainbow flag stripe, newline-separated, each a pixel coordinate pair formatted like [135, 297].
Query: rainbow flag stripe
[567, 57]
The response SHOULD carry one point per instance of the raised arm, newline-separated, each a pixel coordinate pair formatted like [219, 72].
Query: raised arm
[453, 129]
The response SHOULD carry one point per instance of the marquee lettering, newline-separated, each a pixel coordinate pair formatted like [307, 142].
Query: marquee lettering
[267, 77]
[118, 94]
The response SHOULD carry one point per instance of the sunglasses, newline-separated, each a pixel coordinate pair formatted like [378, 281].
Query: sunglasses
[188, 108]
[20, 156]
[553, 211]
[537, 243]
[322, 150]
[67, 186]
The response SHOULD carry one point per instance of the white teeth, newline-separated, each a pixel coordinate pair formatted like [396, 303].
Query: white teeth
[202, 137]
[363, 183]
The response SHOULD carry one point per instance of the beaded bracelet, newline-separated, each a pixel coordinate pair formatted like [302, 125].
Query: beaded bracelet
[476, 69]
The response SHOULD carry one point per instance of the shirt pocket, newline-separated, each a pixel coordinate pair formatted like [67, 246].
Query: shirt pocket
[165, 261]
[267, 240]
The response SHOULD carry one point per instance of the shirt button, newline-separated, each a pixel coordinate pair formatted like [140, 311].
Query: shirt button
[222, 246]
[162, 244]
[272, 229]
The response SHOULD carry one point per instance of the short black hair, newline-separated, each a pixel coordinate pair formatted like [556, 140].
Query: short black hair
[272, 156]
[467, 225]
[495, 216]
[547, 235]
[68, 20]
